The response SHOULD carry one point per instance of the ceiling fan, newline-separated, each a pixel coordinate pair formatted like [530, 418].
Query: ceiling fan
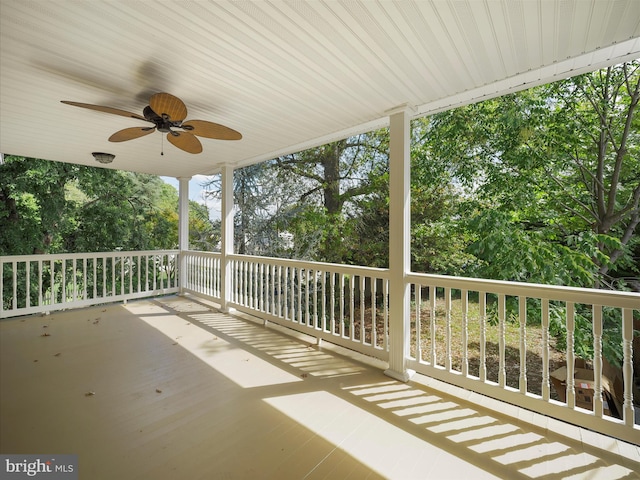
[167, 113]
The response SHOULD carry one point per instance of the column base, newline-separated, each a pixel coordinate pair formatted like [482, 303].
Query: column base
[400, 376]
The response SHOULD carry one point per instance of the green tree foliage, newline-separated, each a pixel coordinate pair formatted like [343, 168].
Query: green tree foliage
[259, 198]
[331, 179]
[53, 207]
[551, 178]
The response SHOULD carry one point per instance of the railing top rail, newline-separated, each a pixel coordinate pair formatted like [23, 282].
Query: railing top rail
[333, 267]
[590, 296]
[202, 253]
[71, 256]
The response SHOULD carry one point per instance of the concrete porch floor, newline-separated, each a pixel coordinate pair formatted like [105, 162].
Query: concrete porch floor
[170, 388]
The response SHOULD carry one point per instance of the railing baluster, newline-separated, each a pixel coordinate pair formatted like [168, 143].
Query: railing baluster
[64, 282]
[40, 274]
[385, 321]
[84, 278]
[241, 272]
[374, 309]
[332, 286]
[250, 287]
[545, 349]
[597, 359]
[123, 274]
[502, 373]
[272, 291]
[292, 293]
[323, 286]
[627, 366]
[482, 307]
[277, 283]
[104, 276]
[299, 317]
[304, 290]
[258, 285]
[27, 276]
[285, 293]
[418, 327]
[73, 280]
[447, 306]
[432, 319]
[571, 391]
[341, 315]
[464, 296]
[314, 299]
[139, 268]
[130, 257]
[522, 315]
[113, 276]
[363, 336]
[14, 276]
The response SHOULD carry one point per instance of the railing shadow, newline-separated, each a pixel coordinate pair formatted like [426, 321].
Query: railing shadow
[475, 434]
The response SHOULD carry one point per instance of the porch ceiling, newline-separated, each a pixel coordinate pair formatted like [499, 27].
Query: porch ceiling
[287, 75]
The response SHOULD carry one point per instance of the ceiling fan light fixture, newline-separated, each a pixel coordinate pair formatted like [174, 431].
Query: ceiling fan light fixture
[103, 157]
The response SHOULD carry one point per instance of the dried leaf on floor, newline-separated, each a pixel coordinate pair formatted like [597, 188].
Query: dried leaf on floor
[45, 335]
[158, 390]
[89, 394]
[57, 354]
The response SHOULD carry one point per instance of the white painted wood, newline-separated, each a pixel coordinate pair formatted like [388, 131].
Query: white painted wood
[289, 76]
[545, 349]
[399, 242]
[483, 336]
[502, 374]
[226, 181]
[183, 227]
[522, 317]
[571, 392]
[74, 268]
[627, 366]
[597, 359]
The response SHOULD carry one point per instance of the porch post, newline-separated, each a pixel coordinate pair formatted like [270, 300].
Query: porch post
[183, 229]
[399, 243]
[227, 237]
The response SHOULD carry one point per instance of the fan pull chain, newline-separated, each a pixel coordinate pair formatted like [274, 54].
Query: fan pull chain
[162, 145]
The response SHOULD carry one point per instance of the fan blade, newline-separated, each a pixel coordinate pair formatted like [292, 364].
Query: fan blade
[185, 141]
[202, 128]
[131, 133]
[165, 103]
[100, 108]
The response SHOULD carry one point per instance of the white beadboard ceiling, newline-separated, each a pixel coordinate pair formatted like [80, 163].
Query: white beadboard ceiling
[287, 75]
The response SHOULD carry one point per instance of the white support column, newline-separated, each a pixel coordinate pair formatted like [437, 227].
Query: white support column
[227, 237]
[399, 243]
[183, 229]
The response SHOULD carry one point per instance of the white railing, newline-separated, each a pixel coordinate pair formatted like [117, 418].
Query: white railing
[341, 304]
[203, 276]
[496, 338]
[43, 283]
[500, 339]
